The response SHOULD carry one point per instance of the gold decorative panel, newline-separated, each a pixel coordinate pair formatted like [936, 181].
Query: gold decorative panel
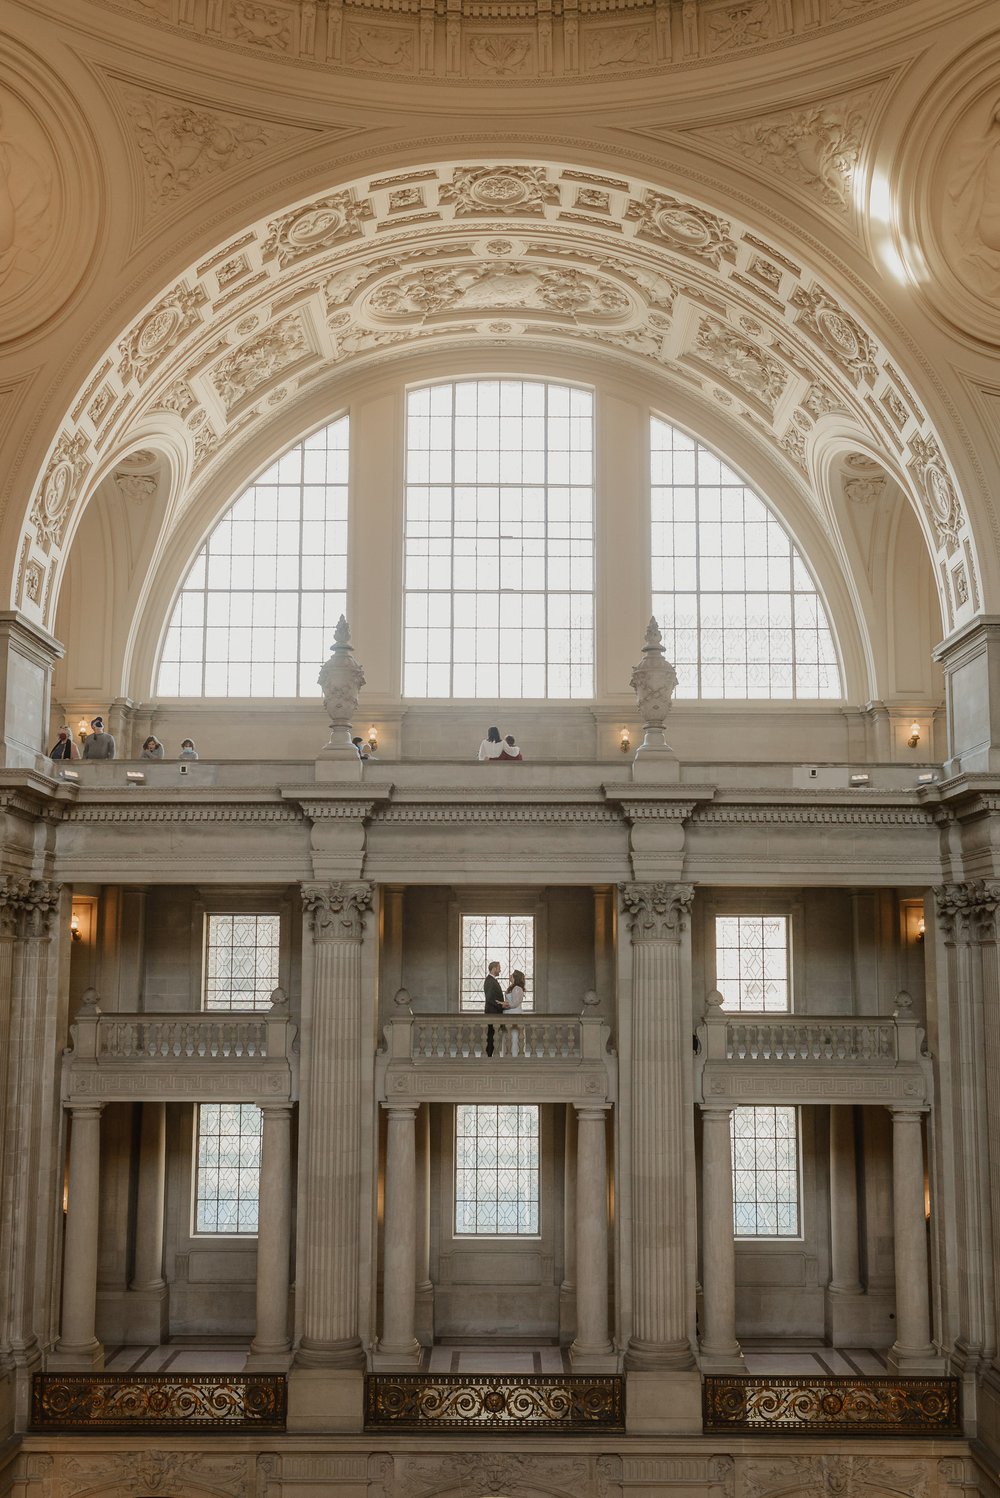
[501, 1402]
[103, 1402]
[849, 1406]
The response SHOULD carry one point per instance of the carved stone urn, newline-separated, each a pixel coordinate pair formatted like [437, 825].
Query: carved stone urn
[341, 679]
[654, 682]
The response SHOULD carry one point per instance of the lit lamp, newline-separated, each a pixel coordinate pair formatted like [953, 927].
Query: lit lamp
[921, 929]
[914, 738]
[372, 740]
[626, 741]
[81, 729]
[74, 927]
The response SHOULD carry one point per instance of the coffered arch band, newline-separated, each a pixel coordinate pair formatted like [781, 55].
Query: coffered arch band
[491, 256]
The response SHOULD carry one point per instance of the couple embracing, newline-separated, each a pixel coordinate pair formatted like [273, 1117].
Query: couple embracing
[499, 1002]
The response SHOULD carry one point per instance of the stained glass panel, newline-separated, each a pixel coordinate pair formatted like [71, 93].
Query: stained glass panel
[496, 1169]
[227, 1168]
[507, 939]
[765, 1172]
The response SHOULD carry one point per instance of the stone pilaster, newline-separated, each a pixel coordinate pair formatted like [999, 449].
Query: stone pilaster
[844, 1291]
[591, 1350]
[661, 1125]
[398, 1347]
[967, 921]
[567, 1290]
[912, 1351]
[31, 1035]
[78, 1346]
[270, 1347]
[149, 1317]
[330, 1115]
[720, 1351]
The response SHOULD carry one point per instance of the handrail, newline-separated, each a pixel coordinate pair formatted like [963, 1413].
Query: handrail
[528, 1038]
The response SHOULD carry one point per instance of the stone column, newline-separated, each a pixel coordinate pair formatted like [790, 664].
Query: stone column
[845, 1276]
[970, 1093]
[661, 1126]
[591, 1350]
[720, 1351]
[913, 1351]
[398, 1346]
[567, 1290]
[33, 1013]
[424, 1326]
[270, 1347]
[330, 1121]
[148, 1273]
[78, 1346]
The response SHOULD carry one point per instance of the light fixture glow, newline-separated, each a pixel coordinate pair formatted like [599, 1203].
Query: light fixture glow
[373, 739]
[626, 741]
[74, 927]
[914, 738]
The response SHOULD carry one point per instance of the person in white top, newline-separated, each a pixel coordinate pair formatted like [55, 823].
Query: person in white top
[492, 745]
[512, 1002]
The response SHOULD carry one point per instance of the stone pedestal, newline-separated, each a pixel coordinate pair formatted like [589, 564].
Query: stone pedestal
[330, 1119]
[970, 658]
[28, 654]
[78, 1346]
[270, 1347]
[661, 1124]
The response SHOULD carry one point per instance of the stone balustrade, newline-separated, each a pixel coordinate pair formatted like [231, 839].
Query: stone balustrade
[811, 1040]
[531, 1038]
[129, 1036]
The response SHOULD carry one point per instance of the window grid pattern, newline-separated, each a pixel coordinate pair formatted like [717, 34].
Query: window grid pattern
[256, 614]
[496, 1169]
[507, 939]
[227, 1176]
[241, 961]
[738, 609]
[765, 1172]
[751, 962]
[499, 546]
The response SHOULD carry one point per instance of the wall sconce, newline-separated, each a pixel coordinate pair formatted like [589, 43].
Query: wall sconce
[74, 927]
[372, 740]
[626, 741]
[82, 729]
[921, 929]
[914, 738]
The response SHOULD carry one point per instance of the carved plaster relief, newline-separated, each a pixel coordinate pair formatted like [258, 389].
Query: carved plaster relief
[160, 331]
[29, 202]
[330, 220]
[259, 25]
[153, 1471]
[971, 204]
[835, 1476]
[685, 227]
[256, 363]
[742, 363]
[488, 190]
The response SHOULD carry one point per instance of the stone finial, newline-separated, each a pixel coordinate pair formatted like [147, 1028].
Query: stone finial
[279, 998]
[341, 679]
[590, 999]
[654, 682]
[88, 1004]
[713, 1003]
[904, 1006]
[401, 999]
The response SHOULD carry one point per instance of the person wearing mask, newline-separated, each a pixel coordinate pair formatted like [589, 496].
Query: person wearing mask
[151, 748]
[362, 748]
[98, 745]
[188, 751]
[64, 747]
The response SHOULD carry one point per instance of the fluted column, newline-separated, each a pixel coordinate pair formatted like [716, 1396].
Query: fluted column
[567, 1290]
[398, 1345]
[592, 1347]
[912, 1348]
[330, 1120]
[662, 1279]
[78, 1345]
[719, 1348]
[970, 1090]
[424, 1328]
[270, 1346]
[148, 1274]
[845, 1263]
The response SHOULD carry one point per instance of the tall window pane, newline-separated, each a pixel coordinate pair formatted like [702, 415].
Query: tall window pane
[227, 1169]
[751, 961]
[738, 608]
[256, 613]
[496, 1168]
[499, 546]
[241, 961]
[765, 1172]
[507, 939]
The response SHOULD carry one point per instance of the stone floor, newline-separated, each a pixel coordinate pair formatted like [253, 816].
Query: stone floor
[803, 1358]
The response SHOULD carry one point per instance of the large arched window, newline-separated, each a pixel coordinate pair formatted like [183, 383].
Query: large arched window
[499, 583]
[256, 613]
[739, 611]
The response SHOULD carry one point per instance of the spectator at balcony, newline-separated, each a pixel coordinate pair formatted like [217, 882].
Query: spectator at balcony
[98, 745]
[152, 748]
[509, 749]
[64, 748]
[492, 745]
[188, 751]
[361, 747]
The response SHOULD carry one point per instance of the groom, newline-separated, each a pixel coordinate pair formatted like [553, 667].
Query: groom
[493, 996]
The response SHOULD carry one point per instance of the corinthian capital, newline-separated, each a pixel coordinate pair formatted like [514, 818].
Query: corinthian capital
[337, 911]
[656, 912]
[27, 906]
[967, 912]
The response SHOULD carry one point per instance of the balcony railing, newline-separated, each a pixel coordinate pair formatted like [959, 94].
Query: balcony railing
[130, 1036]
[812, 1040]
[528, 1039]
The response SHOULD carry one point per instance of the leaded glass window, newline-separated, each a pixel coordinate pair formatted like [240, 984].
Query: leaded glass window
[227, 1172]
[737, 606]
[765, 1172]
[499, 545]
[241, 960]
[751, 961]
[496, 1169]
[507, 939]
[256, 614]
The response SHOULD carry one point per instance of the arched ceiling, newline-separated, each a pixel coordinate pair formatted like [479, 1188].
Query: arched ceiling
[502, 253]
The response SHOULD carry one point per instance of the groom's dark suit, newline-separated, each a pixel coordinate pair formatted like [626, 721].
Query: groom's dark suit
[493, 995]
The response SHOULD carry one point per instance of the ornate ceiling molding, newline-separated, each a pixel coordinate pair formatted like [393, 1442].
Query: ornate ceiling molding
[442, 256]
